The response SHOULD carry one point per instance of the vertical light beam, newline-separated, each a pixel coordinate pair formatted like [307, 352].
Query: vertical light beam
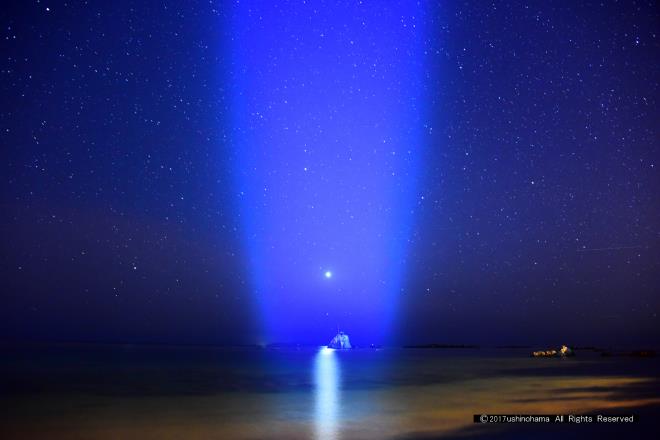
[327, 394]
[327, 134]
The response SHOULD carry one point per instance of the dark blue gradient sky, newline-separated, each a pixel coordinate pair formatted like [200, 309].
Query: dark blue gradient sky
[470, 172]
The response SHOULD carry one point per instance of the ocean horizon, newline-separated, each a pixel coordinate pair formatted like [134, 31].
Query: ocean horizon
[139, 391]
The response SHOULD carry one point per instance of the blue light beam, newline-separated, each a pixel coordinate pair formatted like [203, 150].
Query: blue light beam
[327, 132]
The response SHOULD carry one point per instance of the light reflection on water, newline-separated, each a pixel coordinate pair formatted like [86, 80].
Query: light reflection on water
[247, 394]
[327, 394]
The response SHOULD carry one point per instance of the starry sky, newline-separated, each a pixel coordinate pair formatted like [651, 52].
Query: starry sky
[464, 171]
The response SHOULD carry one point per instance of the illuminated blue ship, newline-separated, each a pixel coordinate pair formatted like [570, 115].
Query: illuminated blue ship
[340, 341]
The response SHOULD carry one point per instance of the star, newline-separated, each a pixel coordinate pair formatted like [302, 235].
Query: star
[328, 274]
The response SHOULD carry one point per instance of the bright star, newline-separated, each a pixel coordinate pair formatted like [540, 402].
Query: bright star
[328, 274]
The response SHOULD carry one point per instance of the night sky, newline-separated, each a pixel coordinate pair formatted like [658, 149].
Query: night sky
[256, 172]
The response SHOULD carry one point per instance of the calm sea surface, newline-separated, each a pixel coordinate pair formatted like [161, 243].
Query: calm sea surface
[119, 392]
